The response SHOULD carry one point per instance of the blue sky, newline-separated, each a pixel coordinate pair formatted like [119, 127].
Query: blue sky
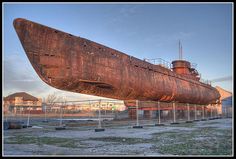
[140, 30]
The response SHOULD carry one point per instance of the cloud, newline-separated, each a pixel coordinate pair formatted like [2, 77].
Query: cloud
[26, 80]
[158, 40]
[182, 35]
[127, 11]
[17, 75]
[123, 14]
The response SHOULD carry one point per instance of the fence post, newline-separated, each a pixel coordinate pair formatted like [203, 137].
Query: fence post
[195, 113]
[61, 127]
[215, 115]
[174, 118]
[226, 112]
[28, 118]
[99, 119]
[203, 113]
[99, 115]
[137, 118]
[159, 115]
[174, 110]
[61, 116]
[45, 112]
[188, 112]
[211, 110]
[188, 121]
[20, 114]
[137, 122]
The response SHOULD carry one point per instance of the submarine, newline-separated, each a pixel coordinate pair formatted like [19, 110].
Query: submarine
[75, 64]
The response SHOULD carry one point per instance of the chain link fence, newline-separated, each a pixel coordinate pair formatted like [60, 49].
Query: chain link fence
[111, 113]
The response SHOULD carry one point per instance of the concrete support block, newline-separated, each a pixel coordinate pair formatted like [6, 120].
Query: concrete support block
[99, 129]
[60, 128]
[174, 123]
[139, 126]
[159, 124]
[189, 121]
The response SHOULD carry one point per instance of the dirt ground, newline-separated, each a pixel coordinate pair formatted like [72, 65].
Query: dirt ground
[203, 138]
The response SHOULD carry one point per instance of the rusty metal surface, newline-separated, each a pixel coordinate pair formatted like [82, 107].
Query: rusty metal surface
[79, 65]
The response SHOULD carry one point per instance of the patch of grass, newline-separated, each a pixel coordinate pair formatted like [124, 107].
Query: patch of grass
[61, 142]
[210, 123]
[47, 130]
[213, 142]
[121, 140]
[20, 139]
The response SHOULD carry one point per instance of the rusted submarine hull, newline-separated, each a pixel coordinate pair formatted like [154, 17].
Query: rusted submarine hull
[75, 64]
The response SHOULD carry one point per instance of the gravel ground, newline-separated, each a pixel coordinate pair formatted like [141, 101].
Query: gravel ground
[122, 140]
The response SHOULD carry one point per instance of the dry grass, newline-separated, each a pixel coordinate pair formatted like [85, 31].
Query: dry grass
[61, 142]
[202, 141]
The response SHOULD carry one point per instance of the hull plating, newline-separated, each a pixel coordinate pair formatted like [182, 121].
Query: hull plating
[79, 65]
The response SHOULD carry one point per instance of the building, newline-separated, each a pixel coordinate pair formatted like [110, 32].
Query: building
[89, 106]
[227, 106]
[117, 106]
[225, 100]
[21, 101]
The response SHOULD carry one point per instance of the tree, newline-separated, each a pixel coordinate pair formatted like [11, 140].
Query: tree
[50, 102]
[51, 99]
[63, 104]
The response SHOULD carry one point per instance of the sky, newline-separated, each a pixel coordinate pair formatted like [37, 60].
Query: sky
[140, 30]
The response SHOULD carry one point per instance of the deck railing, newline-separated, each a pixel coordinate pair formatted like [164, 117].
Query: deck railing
[159, 61]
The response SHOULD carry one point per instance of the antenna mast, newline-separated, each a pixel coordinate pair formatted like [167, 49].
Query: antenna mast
[180, 51]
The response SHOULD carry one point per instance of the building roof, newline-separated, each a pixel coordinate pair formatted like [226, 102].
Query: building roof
[25, 96]
[223, 93]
